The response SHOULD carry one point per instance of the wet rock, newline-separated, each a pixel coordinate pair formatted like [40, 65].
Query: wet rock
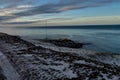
[65, 43]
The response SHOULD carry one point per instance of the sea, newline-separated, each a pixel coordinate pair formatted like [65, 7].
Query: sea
[103, 38]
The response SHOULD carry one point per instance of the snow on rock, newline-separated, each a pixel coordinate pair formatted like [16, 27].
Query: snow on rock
[8, 69]
[43, 61]
[103, 57]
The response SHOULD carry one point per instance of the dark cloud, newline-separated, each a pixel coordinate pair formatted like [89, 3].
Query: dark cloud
[64, 5]
[4, 18]
[50, 8]
[30, 22]
[18, 22]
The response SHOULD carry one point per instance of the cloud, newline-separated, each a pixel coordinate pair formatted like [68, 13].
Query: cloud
[7, 13]
[14, 3]
[64, 6]
[13, 9]
[10, 3]
[4, 18]
[67, 21]
[19, 22]
[35, 21]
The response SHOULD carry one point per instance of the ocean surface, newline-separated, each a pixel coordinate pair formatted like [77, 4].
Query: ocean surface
[102, 38]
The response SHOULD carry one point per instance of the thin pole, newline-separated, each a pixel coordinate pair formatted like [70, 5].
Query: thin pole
[46, 34]
[46, 29]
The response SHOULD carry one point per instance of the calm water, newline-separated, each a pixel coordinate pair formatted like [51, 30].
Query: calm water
[102, 39]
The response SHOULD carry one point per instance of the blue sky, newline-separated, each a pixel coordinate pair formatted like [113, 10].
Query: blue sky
[59, 12]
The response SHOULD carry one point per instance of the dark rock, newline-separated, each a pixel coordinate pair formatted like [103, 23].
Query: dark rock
[2, 77]
[65, 43]
[14, 39]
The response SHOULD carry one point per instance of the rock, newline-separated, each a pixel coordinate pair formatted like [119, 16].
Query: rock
[2, 77]
[65, 43]
[13, 39]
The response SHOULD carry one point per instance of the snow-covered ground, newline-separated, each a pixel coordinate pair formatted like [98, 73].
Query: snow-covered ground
[36, 60]
[103, 57]
[8, 69]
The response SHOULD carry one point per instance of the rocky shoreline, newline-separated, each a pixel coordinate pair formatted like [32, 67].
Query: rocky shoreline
[39, 63]
[65, 43]
[2, 76]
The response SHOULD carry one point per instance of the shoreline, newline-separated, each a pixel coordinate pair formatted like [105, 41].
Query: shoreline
[65, 42]
[38, 60]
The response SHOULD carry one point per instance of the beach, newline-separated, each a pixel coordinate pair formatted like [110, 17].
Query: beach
[32, 59]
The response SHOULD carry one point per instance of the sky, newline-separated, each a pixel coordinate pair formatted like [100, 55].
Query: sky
[23, 13]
